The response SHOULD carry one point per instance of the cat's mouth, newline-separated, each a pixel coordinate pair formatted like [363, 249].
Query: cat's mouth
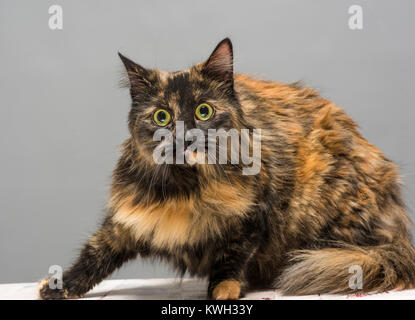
[193, 157]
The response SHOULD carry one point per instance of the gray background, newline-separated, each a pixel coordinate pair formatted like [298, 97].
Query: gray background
[62, 114]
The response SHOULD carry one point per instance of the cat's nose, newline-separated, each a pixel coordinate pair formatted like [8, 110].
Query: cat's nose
[186, 144]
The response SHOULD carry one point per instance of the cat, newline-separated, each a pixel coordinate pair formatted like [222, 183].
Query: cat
[324, 201]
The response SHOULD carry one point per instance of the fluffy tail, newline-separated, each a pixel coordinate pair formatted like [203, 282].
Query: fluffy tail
[384, 267]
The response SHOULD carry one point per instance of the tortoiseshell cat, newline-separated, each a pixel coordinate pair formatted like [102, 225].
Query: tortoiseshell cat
[324, 200]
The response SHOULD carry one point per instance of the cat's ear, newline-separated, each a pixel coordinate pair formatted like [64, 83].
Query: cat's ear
[219, 66]
[138, 77]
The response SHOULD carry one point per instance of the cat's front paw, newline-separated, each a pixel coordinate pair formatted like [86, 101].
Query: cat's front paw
[45, 292]
[227, 290]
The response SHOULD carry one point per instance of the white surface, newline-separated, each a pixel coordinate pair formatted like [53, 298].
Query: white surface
[185, 289]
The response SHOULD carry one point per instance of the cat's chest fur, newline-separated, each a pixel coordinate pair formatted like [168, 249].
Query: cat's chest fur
[174, 223]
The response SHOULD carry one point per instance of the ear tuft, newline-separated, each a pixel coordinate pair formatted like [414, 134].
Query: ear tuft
[137, 76]
[131, 66]
[220, 63]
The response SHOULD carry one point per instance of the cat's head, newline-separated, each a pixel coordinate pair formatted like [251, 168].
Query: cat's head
[201, 97]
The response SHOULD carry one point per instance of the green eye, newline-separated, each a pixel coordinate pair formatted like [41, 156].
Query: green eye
[204, 112]
[161, 117]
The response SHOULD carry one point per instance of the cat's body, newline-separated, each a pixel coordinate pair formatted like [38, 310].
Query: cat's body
[325, 199]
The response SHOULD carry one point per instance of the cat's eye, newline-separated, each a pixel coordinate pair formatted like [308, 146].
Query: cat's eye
[204, 112]
[162, 117]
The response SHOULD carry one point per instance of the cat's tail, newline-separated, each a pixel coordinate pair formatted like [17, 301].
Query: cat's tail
[337, 270]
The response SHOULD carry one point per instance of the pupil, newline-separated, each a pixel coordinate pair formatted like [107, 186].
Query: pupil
[161, 116]
[204, 111]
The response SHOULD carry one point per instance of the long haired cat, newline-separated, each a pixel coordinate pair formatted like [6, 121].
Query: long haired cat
[324, 201]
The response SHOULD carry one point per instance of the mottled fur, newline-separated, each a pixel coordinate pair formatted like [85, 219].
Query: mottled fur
[324, 200]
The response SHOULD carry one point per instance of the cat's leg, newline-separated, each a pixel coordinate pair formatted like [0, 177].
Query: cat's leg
[104, 252]
[227, 279]
[227, 275]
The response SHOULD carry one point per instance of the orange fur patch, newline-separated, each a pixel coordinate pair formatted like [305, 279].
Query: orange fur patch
[227, 290]
[166, 224]
[173, 223]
